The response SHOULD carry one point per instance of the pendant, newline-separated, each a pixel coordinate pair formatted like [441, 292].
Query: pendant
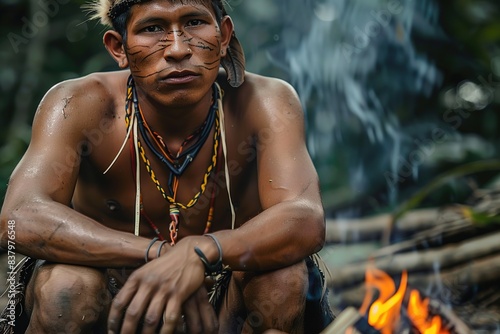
[174, 224]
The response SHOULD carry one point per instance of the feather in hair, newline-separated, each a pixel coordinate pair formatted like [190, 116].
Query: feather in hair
[99, 10]
[234, 62]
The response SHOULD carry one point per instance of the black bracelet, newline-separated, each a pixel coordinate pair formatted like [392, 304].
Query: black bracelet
[146, 257]
[159, 248]
[211, 269]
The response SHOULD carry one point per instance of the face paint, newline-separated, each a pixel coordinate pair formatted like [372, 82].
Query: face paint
[110, 13]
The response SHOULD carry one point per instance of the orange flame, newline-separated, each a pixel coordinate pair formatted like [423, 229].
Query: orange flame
[384, 312]
[418, 313]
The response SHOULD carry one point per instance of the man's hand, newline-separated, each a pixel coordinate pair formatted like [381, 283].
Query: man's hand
[199, 314]
[161, 289]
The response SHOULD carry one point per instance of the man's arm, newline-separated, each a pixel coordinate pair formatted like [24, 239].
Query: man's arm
[41, 187]
[291, 225]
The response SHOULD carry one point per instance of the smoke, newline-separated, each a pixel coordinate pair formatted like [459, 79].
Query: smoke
[359, 75]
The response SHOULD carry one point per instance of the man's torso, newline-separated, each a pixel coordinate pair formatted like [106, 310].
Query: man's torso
[110, 198]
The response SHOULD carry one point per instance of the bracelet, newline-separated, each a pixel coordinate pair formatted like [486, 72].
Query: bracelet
[211, 269]
[159, 248]
[155, 239]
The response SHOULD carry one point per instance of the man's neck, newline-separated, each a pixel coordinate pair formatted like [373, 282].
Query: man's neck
[175, 122]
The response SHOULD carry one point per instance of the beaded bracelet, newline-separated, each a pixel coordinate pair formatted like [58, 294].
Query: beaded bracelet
[155, 239]
[211, 269]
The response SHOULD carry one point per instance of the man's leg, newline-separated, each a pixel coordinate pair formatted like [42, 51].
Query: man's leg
[64, 298]
[272, 300]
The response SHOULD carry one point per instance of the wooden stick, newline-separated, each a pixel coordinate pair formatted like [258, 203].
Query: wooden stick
[373, 227]
[344, 321]
[459, 327]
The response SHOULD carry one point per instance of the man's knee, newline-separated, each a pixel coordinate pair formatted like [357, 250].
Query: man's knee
[69, 296]
[278, 286]
[279, 294]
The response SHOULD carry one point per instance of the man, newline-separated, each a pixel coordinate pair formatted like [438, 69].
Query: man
[138, 184]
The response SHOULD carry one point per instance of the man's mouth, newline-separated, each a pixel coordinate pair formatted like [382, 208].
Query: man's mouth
[179, 77]
[180, 74]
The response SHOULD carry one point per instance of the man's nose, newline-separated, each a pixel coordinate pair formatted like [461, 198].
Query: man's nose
[178, 47]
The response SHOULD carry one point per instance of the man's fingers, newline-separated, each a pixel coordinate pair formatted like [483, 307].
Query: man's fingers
[200, 314]
[154, 314]
[119, 304]
[207, 314]
[136, 310]
[171, 317]
[192, 316]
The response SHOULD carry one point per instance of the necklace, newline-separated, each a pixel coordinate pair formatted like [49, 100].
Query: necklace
[176, 164]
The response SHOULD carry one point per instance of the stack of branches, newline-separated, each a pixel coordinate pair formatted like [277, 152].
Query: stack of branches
[451, 255]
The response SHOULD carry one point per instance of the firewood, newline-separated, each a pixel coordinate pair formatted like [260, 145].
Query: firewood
[344, 321]
[372, 228]
[459, 327]
[447, 257]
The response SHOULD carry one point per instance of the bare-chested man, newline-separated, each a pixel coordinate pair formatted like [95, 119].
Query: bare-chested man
[141, 183]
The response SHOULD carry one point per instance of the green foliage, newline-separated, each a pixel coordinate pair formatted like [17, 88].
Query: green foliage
[480, 219]
[440, 180]
[43, 43]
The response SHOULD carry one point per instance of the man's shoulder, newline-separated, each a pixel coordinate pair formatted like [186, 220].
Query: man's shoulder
[258, 90]
[83, 100]
[98, 84]
[96, 92]
[256, 84]
[262, 97]
[268, 81]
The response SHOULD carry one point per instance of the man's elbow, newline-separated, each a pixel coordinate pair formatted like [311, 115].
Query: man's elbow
[318, 231]
[11, 214]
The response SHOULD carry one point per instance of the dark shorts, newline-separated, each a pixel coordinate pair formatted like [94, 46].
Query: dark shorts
[318, 314]
[13, 318]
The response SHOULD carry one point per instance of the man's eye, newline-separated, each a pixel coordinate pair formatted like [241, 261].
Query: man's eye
[152, 29]
[195, 22]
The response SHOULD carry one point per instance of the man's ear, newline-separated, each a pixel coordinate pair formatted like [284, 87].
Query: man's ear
[113, 42]
[226, 29]
[232, 55]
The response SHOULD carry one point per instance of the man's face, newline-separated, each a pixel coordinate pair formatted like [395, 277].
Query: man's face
[173, 47]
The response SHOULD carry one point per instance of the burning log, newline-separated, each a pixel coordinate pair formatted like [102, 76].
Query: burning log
[389, 308]
[350, 318]
[452, 286]
[458, 325]
[351, 321]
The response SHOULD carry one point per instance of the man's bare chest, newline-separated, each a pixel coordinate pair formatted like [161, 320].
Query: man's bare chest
[199, 193]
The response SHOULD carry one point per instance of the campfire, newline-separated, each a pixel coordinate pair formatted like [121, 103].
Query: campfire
[437, 274]
[391, 309]
[384, 313]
